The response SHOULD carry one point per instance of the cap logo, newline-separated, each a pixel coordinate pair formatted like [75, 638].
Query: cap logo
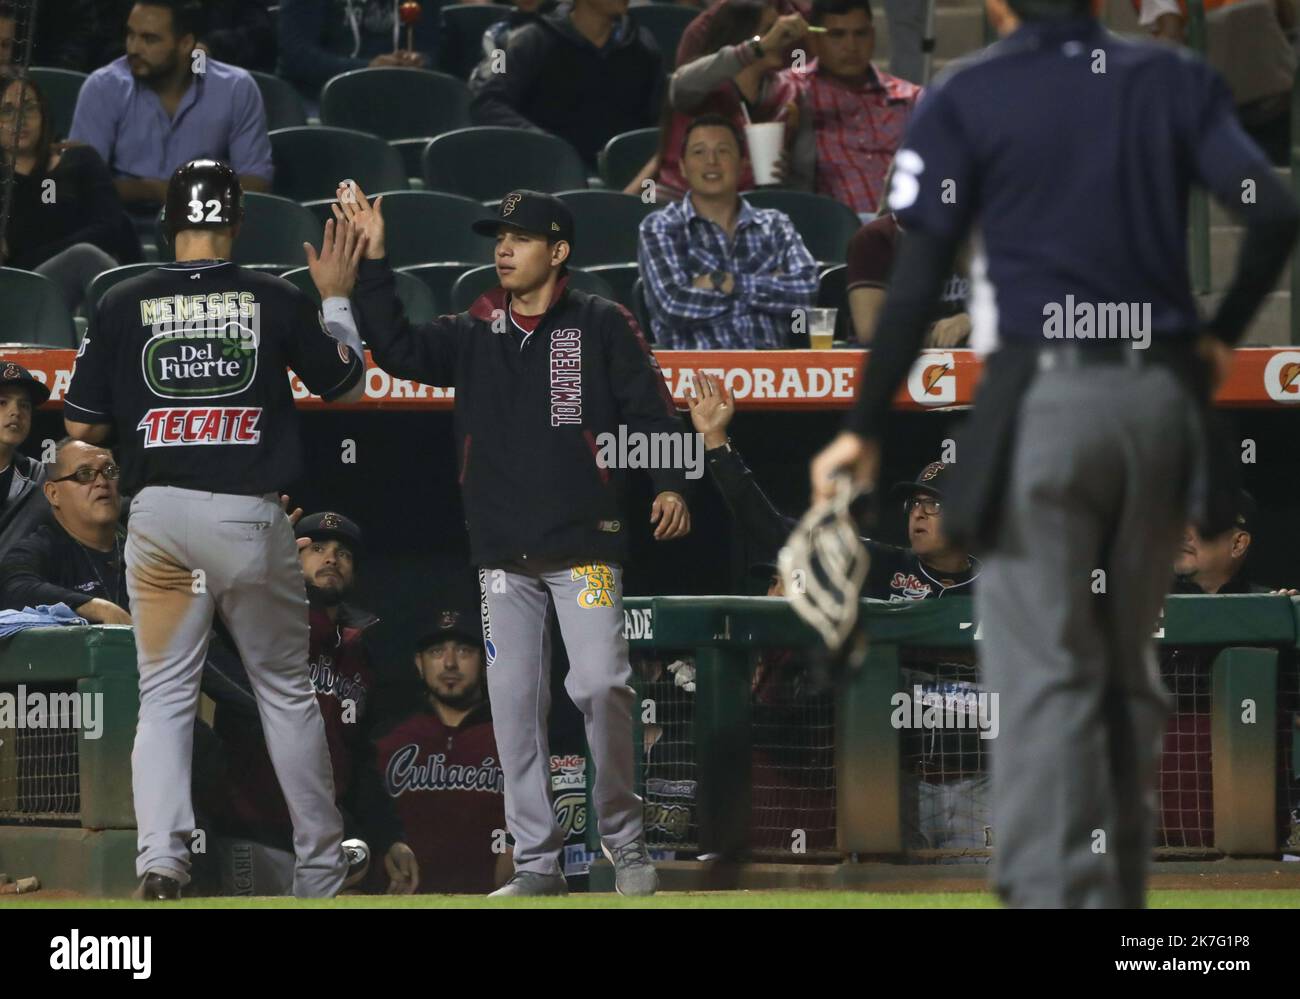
[931, 470]
[555, 226]
[449, 619]
[510, 204]
[330, 521]
[11, 372]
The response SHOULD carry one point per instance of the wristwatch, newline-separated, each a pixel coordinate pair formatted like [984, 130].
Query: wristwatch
[718, 278]
[757, 46]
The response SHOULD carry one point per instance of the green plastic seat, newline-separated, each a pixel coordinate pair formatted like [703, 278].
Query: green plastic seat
[428, 226]
[104, 280]
[34, 310]
[625, 154]
[666, 22]
[273, 232]
[825, 224]
[486, 163]
[441, 276]
[605, 225]
[61, 88]
[284, 105]
[463, 25]
[620, 278]
[310, 162]
[415, 294]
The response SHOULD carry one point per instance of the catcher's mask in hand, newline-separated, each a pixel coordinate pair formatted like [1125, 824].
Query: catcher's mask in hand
[823, 566]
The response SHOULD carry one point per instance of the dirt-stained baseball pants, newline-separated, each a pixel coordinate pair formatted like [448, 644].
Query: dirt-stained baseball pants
[190, 555]
[588, 602]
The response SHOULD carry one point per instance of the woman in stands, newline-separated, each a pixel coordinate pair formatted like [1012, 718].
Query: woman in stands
[65, 221]
[746, 44]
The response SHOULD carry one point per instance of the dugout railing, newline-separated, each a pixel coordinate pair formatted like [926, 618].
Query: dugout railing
[1229, 781]
[830, 785]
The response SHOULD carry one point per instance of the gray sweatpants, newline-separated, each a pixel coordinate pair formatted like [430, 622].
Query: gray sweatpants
[190, 555]
[588, 602]
[1095, 501]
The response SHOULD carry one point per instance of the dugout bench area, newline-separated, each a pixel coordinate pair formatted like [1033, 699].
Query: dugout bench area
[754, 776]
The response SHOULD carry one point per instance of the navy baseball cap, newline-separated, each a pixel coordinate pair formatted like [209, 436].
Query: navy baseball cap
[320, 526]
[1247, 511]
[16, 374]
[451, 623]
[929, 480]
[532, 212]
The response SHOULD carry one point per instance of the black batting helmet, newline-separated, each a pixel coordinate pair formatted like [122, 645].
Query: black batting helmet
[202, 194]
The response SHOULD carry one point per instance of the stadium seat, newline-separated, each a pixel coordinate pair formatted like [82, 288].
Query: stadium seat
[463, 25]
[61, 88]
[310, 162]
[421, 306]
[104, 280]
[605, 226]
[35, 312]
[404, 107]
[486, 163]
[441, 276]
[625, 155]
[592, 284]
[667, 22]
[620, 278]
[273, 231]
[284, 105]
[825, 224]
[428, 226]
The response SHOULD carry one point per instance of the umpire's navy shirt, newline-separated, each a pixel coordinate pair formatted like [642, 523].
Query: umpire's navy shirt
[1061, 141]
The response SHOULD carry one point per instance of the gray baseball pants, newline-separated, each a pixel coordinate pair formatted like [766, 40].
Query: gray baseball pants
[1095, 501]
[190, 555]
[588, 601]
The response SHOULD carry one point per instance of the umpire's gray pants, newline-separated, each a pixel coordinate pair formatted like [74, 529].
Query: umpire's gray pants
[588, 602]
[1097, 486]
[189, 555]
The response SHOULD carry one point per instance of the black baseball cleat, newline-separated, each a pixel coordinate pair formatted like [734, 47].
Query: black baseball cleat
[158, 888]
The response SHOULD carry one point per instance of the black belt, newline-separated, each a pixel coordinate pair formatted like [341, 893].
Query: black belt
[1122, 353]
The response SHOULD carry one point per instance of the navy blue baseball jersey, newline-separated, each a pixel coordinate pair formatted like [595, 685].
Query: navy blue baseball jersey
[188, 361]
[1072, 150]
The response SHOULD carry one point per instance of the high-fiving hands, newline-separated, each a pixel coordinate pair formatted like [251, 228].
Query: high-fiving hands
[352, 206]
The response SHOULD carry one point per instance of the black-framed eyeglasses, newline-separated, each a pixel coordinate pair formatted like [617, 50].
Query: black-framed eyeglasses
[931, 505]
[86, 474]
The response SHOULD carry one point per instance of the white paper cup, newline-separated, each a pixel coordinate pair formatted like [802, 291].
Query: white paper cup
[766, 140]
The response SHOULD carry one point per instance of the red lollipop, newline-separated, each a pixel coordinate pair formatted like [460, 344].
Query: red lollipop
[409, 13]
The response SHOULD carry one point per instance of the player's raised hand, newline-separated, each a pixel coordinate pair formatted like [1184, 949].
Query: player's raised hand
[712, 408]
[334, 269]
[670, 513]
[353, 206]
[294, 513]
[403, 870]
[847, 452]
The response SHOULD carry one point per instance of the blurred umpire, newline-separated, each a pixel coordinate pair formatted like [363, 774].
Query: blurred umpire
[187, 363]
[1073, 151]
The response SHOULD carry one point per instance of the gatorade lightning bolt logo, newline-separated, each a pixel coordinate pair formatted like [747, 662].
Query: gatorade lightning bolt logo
[488, 645]
[1282, 376]
[932, 375]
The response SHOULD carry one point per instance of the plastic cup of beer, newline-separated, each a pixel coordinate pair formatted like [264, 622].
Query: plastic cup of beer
[821, 328]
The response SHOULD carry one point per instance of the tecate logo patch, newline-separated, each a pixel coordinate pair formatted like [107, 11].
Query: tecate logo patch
[201, 425]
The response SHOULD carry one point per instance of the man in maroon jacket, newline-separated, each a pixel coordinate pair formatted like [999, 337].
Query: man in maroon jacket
[252, 817]
[441, 767]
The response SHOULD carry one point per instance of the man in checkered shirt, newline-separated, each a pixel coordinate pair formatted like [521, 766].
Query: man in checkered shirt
[851, 116]
[719, 273]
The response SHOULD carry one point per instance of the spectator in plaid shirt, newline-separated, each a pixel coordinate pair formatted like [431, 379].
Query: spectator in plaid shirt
[851, 115]
[720, 274]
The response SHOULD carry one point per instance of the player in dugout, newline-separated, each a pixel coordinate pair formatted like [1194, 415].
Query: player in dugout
[930, 568]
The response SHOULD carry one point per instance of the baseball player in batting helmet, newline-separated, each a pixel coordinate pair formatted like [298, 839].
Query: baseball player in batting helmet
[187, 362]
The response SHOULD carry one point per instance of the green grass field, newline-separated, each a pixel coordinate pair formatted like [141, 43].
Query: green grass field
[1270, 899]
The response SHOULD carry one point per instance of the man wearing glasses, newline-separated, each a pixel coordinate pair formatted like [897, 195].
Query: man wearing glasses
[75, 556]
